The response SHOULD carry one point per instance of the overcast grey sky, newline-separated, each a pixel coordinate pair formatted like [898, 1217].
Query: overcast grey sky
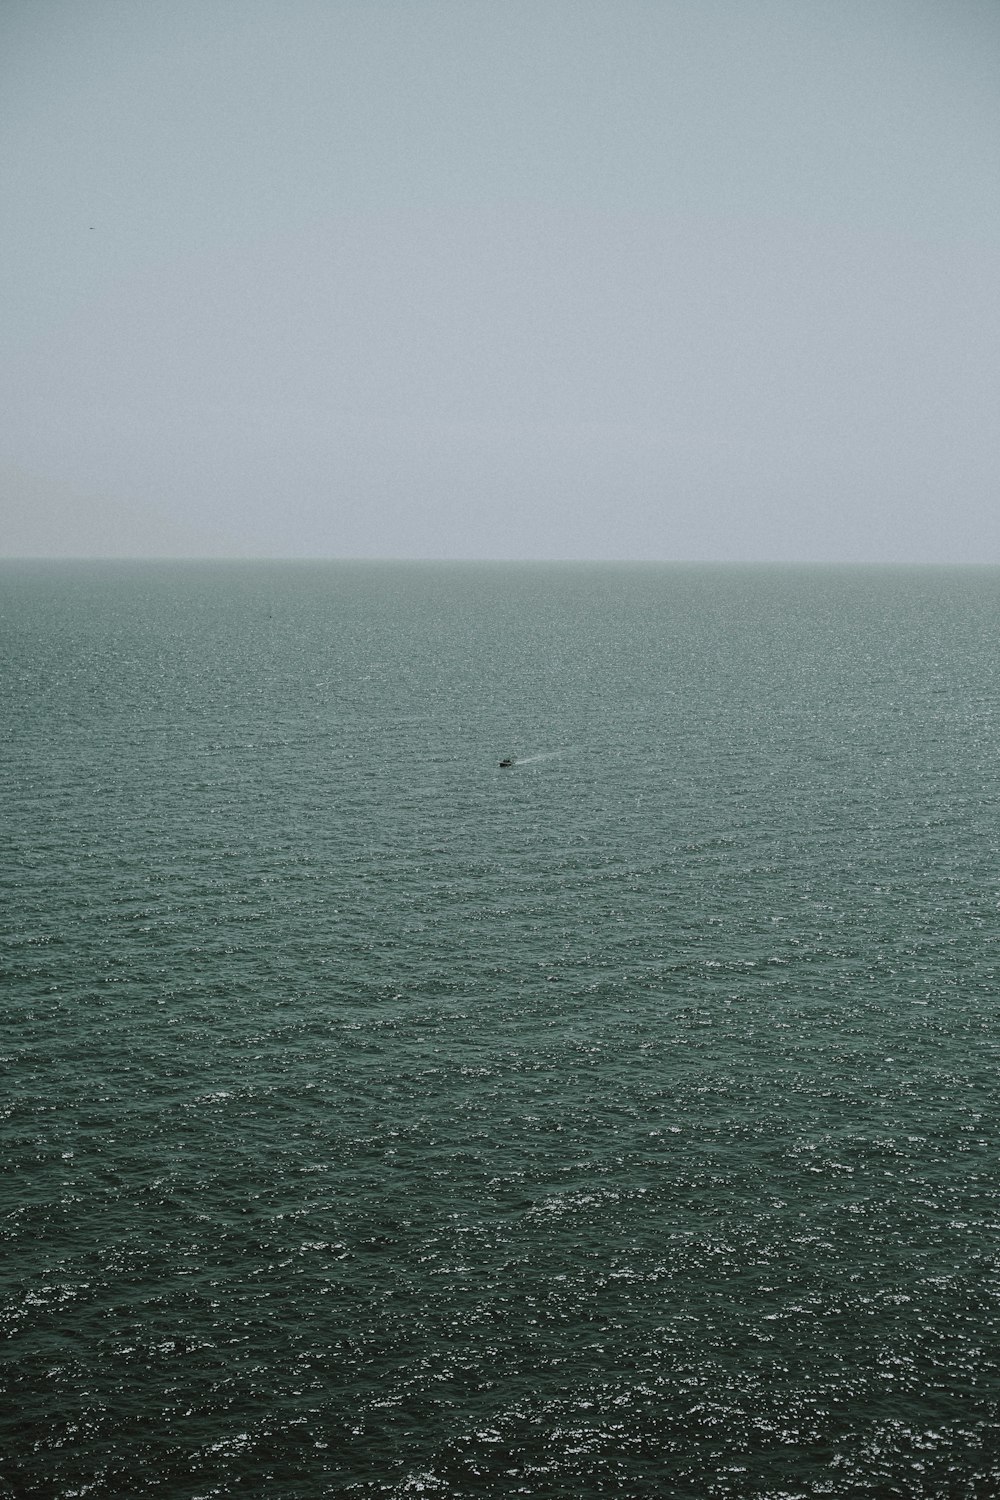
[679, 279]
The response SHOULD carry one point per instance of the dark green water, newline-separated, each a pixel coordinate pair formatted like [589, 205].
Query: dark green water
[377, 1122]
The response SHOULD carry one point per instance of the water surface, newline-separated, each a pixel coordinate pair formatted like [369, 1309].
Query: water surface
[379, 1122]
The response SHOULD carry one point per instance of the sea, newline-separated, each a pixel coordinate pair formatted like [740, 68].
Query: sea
[381, 1121]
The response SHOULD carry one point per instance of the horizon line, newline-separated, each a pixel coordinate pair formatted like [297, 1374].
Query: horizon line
[300, 559]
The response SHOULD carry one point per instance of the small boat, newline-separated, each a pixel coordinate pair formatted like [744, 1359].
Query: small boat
[508, 761]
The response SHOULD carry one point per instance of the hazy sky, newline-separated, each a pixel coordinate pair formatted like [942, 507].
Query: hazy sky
[680, 279]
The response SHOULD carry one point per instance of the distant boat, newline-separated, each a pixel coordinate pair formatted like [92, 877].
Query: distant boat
[507, 762]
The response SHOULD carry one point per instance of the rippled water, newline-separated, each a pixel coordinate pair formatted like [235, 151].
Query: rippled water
[379, 1122]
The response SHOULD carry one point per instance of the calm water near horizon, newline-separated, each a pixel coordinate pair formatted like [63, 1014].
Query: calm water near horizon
[379, 1122]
